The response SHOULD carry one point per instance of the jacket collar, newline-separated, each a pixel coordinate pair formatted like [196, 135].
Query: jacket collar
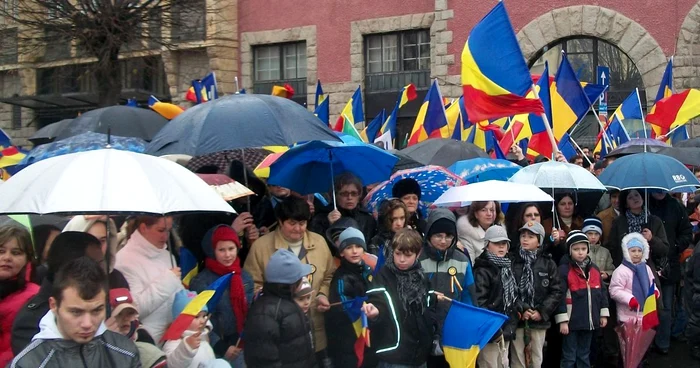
[281, 243]
[48, 330]
[438, 255]
[144, 247]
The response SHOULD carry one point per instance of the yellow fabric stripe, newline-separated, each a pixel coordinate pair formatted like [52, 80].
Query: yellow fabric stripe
[461, 357]
[197, 304]
[190, 275]
[471, 75]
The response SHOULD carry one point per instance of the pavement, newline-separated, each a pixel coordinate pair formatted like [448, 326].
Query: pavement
[678, 357]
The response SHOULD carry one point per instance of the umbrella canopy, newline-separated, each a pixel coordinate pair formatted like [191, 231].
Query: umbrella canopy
[122, 121]
[404, 162]
[251, 157]
[35, 220]
[648, 171]
[693, 142]
[492, 190]
[108, 182]
[484, 169]
[311, 167]
[87, 141]
[239, 121]
[558, 175]
[686, 155]
[226, 187]
[443, 151]
[433, 181]
[48, 133]
[634, 342]
[638, 145]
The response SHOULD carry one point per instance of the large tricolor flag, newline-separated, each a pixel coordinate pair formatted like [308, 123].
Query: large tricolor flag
[495, 78]
[407, 93]
[569, 101]
[431, 121]
[676, 110]
[466, 331]
[353, 111]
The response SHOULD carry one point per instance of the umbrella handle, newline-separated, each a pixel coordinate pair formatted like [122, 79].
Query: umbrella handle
[330, 161]
[245, 178]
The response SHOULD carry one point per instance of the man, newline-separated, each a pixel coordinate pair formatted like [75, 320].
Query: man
[73, 333]
[577, 160]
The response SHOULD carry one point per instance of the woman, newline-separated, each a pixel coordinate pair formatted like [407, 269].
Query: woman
[44, 236]
[409, 192]
[567, 220]
[151, 272]
[293, 214]
[220, 246]
[97, 227]
[393, 214]
[16, 266]
[472, 227]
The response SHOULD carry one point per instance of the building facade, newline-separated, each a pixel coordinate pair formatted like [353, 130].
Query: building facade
[384, 45]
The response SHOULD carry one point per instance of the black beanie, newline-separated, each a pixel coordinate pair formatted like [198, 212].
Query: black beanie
[440, 226]
[406, 186]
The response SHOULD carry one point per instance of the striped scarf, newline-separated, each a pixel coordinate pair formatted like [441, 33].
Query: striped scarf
[507, 279]
[527, 280]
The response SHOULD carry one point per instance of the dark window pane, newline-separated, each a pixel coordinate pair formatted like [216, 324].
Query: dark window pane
[8, 46]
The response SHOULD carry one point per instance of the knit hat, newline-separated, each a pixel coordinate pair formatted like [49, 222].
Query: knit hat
[304, 288]
[592, 224]
[216, 234]
[334, 230]
[351, 236]
[535, 228]
[575, 237]
[441, 226]
[634, 243]
[496, 234]
[285, 267]
[182, 298]
[406, 186]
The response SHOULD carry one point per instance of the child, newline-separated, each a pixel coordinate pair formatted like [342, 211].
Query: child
[193, 349]
[584, 305]
[350, 281]
[302, 295]
[496, 290]
[393, 214]
[600, 256]
[630, 283]
[277, 333]
[402, 323]
[539, 292]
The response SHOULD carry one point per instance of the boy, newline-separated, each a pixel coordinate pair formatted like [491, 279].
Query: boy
[584, 305]
[350, 281]
[600, 256]
[402, 323]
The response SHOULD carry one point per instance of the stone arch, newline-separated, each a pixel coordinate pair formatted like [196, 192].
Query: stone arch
[686, 67]
[606, 24]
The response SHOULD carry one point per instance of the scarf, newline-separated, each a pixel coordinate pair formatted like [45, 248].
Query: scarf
[507, 279]
[640, 281]
[411, 287]
[527, 281]
[237, 292]
[635, 222]
[583, 265]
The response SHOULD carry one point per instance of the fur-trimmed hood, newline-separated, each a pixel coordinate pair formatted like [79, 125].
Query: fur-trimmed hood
[638, 236]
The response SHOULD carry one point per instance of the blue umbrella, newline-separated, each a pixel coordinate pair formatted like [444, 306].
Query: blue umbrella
[648, 171]
[80, 143]
[239, 121]
[311, 167]
[483, 169]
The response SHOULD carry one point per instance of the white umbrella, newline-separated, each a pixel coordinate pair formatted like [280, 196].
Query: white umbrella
[492, 190]
[108, 181]
[557, 175]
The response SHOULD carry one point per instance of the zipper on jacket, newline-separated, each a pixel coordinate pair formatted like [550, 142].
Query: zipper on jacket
[82, 357]
[590, 303]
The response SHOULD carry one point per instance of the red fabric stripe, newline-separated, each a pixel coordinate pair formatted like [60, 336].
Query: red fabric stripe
[667, 109]
[179, 325]
[482, 106]
[650, 320]
[540, 143]
[508, 137]
[190, 96]
[360, 344]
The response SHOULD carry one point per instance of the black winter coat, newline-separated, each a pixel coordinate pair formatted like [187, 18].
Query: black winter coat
[679, 233]
[277, 332]
[489, 294]
[691, 297]
[319, 223]
[380, 241]
[548, 288]
[350, 281]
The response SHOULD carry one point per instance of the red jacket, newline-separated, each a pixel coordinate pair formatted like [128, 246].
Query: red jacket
[9, 307]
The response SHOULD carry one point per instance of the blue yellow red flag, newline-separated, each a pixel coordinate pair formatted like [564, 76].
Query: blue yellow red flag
[353, 111]
[495, 78]
[188, 266]
[650, 316]
[406, 94]
[167, 110]
[431, 121]
[466, 331]
[371, 132]
[569, 102]
[358, 318]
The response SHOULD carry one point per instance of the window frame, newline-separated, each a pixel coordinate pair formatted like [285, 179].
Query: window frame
[401, 44]
[282, 68]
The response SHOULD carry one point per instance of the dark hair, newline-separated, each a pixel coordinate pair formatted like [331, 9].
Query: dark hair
[41, 235]
[477, 206]
[541, 158]
[24, 241]
[347, 178]
[293, 208]
[387, 208]
[520, 222]
[622, 201]
[407, 241]
[83, 274]
[573, 159]
[68, 246]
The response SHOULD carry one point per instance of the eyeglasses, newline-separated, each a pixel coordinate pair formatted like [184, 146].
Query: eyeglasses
[349, 194]
[443, 237]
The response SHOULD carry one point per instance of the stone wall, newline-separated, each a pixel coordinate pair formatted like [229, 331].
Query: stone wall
[686, 62]
[181, 67]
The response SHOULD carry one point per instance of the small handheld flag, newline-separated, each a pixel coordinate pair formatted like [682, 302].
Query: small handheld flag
[650, 317]
[353, 308]
[188, 266]
[466, 331]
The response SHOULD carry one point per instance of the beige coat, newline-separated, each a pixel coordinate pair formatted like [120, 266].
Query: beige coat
[317, 254]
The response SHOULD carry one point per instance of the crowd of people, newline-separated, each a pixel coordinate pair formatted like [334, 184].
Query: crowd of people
[104, 291]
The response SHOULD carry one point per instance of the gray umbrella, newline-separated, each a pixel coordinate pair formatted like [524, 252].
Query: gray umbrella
[443, 151]
[49, 133]
[122, 121]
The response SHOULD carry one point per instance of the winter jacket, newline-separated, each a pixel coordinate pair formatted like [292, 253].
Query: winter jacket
[379, 242]
[621, 286]
[679, 233]
[607, 217]
[600, 256]
[558, 250]
[277, 333]
[180, 355]
[691, 296]
[585, 298]
[548, 288]
[471, 237]
[319, 223]
[9, 308]
[399, 337]
[489, 294]
[49, 349]
[417, 222]
[317, 255]
[153, 285]
[350, 281]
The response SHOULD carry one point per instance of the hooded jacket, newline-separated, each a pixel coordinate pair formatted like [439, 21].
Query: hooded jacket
[623, 279]
[50, 349]
[585, 299]
[691, 296]
[10, 306]
[180, 355]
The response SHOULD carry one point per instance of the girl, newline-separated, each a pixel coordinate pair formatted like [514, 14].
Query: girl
[392, 218]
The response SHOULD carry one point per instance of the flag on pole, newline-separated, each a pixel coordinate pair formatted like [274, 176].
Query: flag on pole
[466, 331]
[407, 93]
[353, 309]
[569, 101]
[352, 111]
[286, 91]
[166, 110]
[650, 316]
[188, 266]
[431, 121]
[372, 130]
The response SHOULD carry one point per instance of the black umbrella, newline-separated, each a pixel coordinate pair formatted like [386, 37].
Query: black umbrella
[49, 133]
[239, 121]
[693, 142]
[404, 162]
[687, 155]
[122, 121]
[443, 152]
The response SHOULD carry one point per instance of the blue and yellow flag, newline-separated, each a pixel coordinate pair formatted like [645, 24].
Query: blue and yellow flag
[431, 121]
[188, 266]
[353, 111]
[569, 102]
[371, 132]
[407, 93]
[322, 105]
[466, 331]
[615, 129]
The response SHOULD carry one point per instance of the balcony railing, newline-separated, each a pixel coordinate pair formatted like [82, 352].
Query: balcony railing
[393, 81]
[299, 85]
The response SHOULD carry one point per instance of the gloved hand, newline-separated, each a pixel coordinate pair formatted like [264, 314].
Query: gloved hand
[436, 349]
[634, 304]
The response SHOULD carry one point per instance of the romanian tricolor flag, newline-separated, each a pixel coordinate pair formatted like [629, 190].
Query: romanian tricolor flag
[353, 308]
[431, 121]
[495, 77]
[353, 111]
[322, 104]
[533, 124]
[665, 90]
[407, 93]
[286, 91]
[10, 156]
[650, 317]
[569, 101]
[466, 331]
[209, 298]
[370, 133]
[188, 266]
[676, 109]
[166, 110]
[203, 90]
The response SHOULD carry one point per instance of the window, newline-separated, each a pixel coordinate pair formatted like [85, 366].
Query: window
[11, 7]
[16, 117]
[8, 46]
[281, 64]
[392, 52]
[189, 20]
